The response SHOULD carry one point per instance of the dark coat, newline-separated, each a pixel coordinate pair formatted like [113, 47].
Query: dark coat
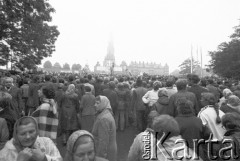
[113, 98]
[33, 99]
[17, 102]
[197, 90]
[172, 107]
[191, 127]
[137, 102]
[69, 108]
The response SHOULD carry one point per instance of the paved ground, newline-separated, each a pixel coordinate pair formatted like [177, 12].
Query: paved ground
[124, 141]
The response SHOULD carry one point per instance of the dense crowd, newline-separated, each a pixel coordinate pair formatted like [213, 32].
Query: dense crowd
[87, 112]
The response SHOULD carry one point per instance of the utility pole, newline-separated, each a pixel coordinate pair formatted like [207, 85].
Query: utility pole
[201, 62]
[191, 61]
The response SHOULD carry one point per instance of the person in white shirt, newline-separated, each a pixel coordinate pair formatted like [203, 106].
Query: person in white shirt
[151, 97]
[211, 115]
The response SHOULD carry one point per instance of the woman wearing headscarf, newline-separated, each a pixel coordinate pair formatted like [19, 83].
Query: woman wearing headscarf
[46, 114]
[232, 105]
[104, 130]
[26, 145]
[226, 94]
[69, 112]
[81, 146]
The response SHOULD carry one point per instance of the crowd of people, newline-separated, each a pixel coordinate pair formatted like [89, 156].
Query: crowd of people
[87, 112]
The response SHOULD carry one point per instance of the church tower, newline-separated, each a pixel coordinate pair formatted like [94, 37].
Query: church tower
[109, 60]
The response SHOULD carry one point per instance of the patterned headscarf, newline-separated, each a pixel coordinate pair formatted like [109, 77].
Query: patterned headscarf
[71, 142]
[16, 142]
[71, 89]
[105, 103]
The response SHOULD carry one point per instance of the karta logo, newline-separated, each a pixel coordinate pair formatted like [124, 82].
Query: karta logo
[167, 147]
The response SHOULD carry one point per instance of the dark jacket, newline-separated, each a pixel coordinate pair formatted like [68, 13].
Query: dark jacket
[197, 90]
[137, 102]
[112, 96]
[172, 107]
[233, 135]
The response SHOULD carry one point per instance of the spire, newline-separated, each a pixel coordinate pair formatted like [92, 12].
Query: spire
[110, 58]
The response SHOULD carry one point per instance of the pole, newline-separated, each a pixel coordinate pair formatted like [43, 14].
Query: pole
[191, 61]
[201, 62]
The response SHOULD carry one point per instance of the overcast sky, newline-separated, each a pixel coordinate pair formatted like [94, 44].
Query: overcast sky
[160, 31]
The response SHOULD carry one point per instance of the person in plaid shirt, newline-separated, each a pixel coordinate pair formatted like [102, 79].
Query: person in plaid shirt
[46, 114]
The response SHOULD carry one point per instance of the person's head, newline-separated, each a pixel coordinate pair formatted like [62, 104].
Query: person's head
[162, 93]
[111, 85]
[170, 82]
[47, 92]
[5, 100]
[120, 86]
[151, 116]
[181, 84]
[203, 82]
[89, 77]
[106, 80]
[227, 92]
[102, 103]
[234, 102]
[25, 81]
[25, 132]
[194, 79]
[157, 85]
[139, 82]
[47, 78]
[71, 78]
[61, 80]
[80, 147]
[208, 98]
[210, 81]
[184, 106]
[231, 121]
[165, 124]
[8, 82]
[87, 89]
[70, 89]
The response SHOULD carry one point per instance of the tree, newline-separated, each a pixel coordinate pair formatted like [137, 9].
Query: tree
[225, 61]
[78, 66]
[57, 66]
[47, 65]
[25, 29]
[4, 54]
[185, 67]
[66, 66]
